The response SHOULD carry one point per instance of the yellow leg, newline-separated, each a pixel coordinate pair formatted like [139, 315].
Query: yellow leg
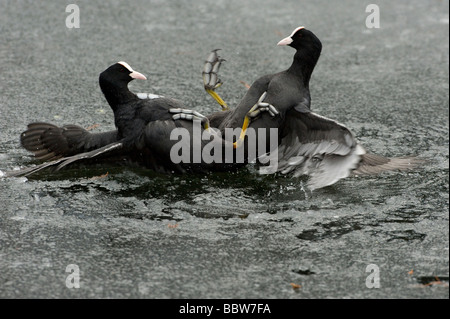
[218, 99]
[253, 113]
[239, 142]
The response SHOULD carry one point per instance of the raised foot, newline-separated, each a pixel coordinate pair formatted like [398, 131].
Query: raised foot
[211, 79]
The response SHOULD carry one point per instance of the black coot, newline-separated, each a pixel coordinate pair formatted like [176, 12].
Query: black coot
[145, 133]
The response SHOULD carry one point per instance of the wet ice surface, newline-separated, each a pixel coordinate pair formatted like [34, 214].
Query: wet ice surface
[134, 233]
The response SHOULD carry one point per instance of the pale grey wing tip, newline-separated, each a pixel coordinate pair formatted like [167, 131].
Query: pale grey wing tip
[372, 164]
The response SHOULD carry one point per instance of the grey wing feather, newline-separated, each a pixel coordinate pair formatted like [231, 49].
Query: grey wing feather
[318, 147]
[372, 164]
[327, 151]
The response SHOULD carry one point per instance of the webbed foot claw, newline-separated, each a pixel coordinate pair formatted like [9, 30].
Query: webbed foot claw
[211, 79]
[190, 115]
[149, 96]
[211, 70]
[261, 106]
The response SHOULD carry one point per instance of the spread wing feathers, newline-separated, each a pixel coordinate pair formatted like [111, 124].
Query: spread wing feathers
[49, 142]
[372, 164]
[315, 146]
[64, 161]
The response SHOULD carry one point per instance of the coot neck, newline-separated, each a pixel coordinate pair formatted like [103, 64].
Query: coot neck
[116, 93]
[303, 65]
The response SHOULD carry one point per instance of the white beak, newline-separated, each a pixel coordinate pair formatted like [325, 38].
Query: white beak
[286, 41]
[137, 75]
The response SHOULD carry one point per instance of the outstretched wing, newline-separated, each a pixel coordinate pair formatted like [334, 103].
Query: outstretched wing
[315, 146]
[326, 151]
[372, 164]
[64, 161]
[50, 142]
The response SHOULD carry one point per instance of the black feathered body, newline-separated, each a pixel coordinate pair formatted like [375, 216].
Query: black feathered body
[307, 144]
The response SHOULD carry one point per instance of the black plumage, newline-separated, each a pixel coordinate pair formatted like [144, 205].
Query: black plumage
[308, 144]
[143, 134]
[50, 142]
[285, 90]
